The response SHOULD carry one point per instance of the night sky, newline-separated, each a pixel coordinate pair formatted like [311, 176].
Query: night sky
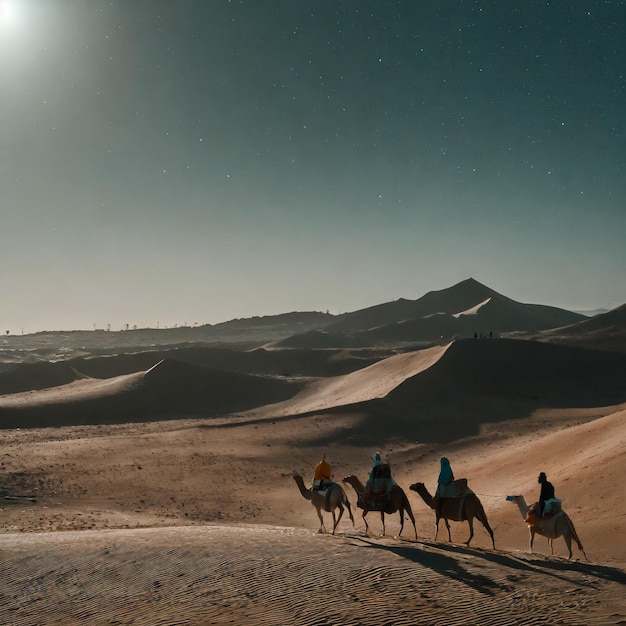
[193, 161]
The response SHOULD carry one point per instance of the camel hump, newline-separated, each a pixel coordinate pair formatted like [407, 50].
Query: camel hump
[460, 485]
[455, 489]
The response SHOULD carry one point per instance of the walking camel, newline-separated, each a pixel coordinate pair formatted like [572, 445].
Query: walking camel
[552, 527]
[397, 502]
[463, 509]
[333, 498]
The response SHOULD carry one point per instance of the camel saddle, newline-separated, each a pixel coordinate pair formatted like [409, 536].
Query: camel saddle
[376, 496]
[456, 489]
[376, 501]
[550, 521]
[555, 510]
[324, 489]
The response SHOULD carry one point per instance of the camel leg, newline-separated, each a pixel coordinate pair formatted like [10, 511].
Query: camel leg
[335, 523]
[401, 522]
[551, 546]
[322, 527]
[350, 512]
[367, 528]
[481, 516]
[471, 529]
[436, 528]
[382, 519]
[445, 519]
[574, 536]
[580, 545]
[531, 530]
[568, 541]
[413, 522]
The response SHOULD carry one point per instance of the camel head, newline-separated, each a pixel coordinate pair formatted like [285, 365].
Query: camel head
[416, 486]
[354, 482]
[521, 504]
[306, 493]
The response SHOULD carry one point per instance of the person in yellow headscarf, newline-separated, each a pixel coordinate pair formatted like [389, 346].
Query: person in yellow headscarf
[322, 474]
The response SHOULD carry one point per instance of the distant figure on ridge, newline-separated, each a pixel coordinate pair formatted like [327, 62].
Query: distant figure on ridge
[546, 495]
[322, 475]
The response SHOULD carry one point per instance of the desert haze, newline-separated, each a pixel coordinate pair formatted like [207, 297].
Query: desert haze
[148, 476]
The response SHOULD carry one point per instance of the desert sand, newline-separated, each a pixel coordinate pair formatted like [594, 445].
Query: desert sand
[196, 519]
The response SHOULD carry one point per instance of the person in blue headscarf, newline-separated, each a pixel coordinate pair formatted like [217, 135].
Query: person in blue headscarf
[446, 478]
[377, 460]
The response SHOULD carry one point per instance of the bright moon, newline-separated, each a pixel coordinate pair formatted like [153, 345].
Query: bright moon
[7, 12]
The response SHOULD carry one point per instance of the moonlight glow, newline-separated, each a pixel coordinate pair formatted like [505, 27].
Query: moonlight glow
[174, 161]
[8, 13]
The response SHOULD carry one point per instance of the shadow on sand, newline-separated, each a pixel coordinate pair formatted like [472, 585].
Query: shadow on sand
[432, 556]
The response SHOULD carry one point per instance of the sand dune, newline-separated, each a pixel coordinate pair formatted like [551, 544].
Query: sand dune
[168, 388]
[197, 520]
[374, 381]
[542, 374]
[261, 575]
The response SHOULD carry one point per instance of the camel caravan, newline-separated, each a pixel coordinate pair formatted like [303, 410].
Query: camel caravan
[453, 501]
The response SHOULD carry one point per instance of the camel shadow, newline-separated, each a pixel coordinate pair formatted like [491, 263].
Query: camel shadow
[604, 572]
[441, 564]
[556, 567]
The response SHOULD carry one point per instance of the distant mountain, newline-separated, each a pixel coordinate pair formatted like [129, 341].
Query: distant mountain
[294, 321]
[606, 331]
[462, 310]
[593, 312]
[241, 334]
[468, 300]
[465, 309]
[462, 296]
[611, 321]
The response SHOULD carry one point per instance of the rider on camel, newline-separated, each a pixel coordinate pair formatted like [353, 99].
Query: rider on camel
[445, 487]
[380, 481]
[322, 475]
[547, 493]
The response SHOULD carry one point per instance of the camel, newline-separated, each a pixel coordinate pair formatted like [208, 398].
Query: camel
[335, 498]
[397, 502]
[463, 509]
[553, 527]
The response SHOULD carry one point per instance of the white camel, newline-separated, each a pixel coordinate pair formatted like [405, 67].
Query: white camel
[336, 499]
[552, 526]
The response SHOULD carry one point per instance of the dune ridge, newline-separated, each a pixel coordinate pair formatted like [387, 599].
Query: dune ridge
[165, 494]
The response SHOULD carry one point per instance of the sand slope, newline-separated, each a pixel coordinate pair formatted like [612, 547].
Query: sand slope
[271, 575]
[197, 520]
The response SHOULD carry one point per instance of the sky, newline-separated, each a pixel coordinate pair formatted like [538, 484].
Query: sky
[194, 161]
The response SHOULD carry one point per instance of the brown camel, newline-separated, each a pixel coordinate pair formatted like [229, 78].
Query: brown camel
[463, 509]
[552, 527]
[334, 498]
[397, 502]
